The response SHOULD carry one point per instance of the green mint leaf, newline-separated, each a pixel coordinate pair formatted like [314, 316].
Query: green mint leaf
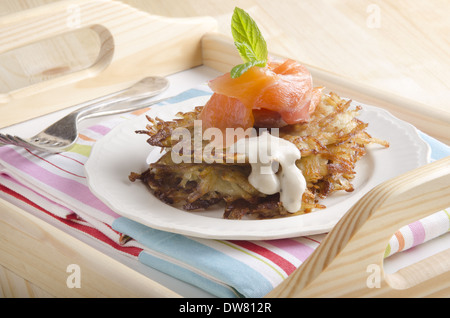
[248, 39]
[240, 69]
[246, 52]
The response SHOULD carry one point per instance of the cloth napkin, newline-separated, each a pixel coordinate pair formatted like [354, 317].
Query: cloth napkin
[55, 185]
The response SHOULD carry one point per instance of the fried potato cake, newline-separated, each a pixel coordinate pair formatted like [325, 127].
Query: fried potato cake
[331, 144]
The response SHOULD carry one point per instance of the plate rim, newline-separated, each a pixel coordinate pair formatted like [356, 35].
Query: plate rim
[250, 233]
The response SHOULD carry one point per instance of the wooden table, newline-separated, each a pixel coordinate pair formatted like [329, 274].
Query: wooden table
[398, 47]
[395, 49]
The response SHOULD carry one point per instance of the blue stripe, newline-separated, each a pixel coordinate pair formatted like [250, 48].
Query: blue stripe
[188, 94]
[230, 271]
[439, 150]
[187, 276]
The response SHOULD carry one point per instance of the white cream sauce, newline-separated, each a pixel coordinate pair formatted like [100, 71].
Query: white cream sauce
[265, 152]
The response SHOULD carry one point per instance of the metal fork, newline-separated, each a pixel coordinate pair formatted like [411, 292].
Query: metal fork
[62, 135]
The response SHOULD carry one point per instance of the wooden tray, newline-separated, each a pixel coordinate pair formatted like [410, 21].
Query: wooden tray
[131, 45]
[134, 44]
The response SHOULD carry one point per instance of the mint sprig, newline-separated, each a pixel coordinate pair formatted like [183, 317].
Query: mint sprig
[249, 42]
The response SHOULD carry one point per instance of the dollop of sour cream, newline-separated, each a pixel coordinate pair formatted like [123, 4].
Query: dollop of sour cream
[265, 154]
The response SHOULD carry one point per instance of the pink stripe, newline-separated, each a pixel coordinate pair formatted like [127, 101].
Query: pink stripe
[55, 165]
[418, 232]
[284, 264]
[11, 179]
[297, 249]
[70, 187]
[103, 130]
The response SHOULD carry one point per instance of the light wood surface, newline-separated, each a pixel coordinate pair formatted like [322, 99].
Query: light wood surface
[219, 53]
[356, 79]
[14, 286]
[130, 45]
[342, 264]
[41, 254]
[398, 47]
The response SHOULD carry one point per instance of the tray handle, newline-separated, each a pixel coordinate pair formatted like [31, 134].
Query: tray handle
[133, 44]
[349, 262]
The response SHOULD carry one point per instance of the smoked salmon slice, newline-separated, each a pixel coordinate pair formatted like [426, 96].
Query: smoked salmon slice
[226, 112]
[278, 94]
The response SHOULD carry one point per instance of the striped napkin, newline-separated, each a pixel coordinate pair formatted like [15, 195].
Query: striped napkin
[55, 185]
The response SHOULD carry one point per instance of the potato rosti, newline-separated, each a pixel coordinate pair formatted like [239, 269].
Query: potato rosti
[330, 145]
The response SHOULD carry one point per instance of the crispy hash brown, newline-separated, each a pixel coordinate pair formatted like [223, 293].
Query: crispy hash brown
[330, 144]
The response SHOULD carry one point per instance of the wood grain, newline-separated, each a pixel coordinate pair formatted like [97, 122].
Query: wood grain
[41, 254]
[219, 53]
[398, 47]
[397, 50]
[388, 66]
[14, 286]
[342, 264]
[132, 45]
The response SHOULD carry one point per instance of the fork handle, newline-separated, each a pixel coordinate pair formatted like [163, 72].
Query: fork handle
[101, 108]
[112, 107]
[132, 98]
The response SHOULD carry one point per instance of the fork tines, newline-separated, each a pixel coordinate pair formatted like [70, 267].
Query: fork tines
[13, 140]
[8, 139]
